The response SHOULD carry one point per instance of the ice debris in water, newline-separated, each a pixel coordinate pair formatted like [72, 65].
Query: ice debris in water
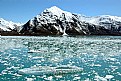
[99, 78]
[109, 77]
[106, 78]
[30, 79]
[49, 78]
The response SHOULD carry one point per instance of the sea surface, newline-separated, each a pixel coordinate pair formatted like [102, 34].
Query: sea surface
[99, 56]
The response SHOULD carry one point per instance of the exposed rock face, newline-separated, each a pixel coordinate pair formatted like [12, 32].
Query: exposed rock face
[54, 21]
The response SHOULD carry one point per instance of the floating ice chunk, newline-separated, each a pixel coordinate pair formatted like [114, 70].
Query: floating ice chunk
[46, 70]
[98, 78]
[29, 79]
[77, 78]
[49, 78]
[112, 59]
[87, 79]
[36, 51]
[109, 77]
[59, 76]
[17, 75]
[37, 58]
[6, 64]
[4, 72]
[33, 51]
[97, 65]
[13, 67]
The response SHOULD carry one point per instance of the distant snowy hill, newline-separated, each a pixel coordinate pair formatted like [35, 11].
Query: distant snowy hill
[104, 20]
[8, 25]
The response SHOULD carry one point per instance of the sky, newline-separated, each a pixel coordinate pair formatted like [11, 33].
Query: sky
[23, 10]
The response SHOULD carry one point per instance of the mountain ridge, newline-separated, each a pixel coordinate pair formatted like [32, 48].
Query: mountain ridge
[54, 21]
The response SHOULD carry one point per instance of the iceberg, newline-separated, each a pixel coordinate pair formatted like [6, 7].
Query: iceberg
[47, 70]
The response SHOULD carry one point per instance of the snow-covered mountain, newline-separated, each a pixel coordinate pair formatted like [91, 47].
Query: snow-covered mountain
[54, 21]
[8, 25]
[104, 20]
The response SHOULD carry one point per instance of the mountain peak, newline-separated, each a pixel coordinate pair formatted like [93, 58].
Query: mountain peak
[55, 10]
[58, 12]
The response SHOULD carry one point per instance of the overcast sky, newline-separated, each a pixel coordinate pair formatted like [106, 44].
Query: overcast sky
[23, 10]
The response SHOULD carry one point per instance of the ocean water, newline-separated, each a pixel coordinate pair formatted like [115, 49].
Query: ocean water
[99, 56]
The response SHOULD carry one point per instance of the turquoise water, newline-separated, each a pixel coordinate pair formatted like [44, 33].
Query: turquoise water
[97, 55]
